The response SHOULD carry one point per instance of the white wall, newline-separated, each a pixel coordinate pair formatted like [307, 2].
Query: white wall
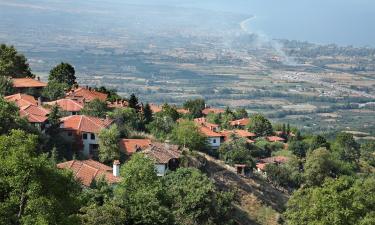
[214, 142]
[87, 142]
[161, 169]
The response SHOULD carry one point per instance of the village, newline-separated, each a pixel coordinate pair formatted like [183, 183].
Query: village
[83, 131]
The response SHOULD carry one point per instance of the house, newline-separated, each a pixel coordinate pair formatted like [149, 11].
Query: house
[21, 99]
[118, 104]
[275, 139]
[183, 111]
[155, 108]
[83, 130]
[130, 146]
[86, 94]
[203, 122]
[240, 133]
[241, 123]
[214, 139]
[36, 115]
[23, 84]
[72, 107]
[165, 156]
[87, 171]
[30, 109]
[261, 165]
[209, 110]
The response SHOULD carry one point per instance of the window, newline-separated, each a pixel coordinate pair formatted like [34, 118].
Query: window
[70, 134]
[92, 136]
[84, 136]
[214, 141]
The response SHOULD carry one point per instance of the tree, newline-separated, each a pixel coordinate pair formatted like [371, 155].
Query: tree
[161, 126]
[6, 86]
[55, 90]
[109, 148]
[226, 118]
[10, 118]
[286, 175]
[367, 152]
[112, 93]
[126, 118]
[321, 164]
[236, 151]
[260, 125]
[343, 201]
[169, 111]
[147, 113]
[318, 141]
[133, 102]
[54, 120]
[141, 195]
[95, 108]
[298, 148]
[347, 148]
[108, 214]
[13, 64]
[32, 189]
[63, 73]
[187, 134]
[195, 107]
[241, 113]
[195, 198]
[213, 118]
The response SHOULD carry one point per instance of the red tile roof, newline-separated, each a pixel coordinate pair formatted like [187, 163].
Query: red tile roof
[82, 123]
[27, 83]
[183, 111]
[208, 132]
[21, 99]
[203, 122]
[68, 105]
[261, 166]
[162, 153]
[118, 104]
[240, 122]
[275, 139]
[86, 94]
[130, 146]
[206, 111]
[34, 114]
[88, 170]
[155, 108]
[240, 133]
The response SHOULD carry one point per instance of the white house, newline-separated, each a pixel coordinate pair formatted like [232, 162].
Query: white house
[83, 131]
[165, 156]
[214, 139]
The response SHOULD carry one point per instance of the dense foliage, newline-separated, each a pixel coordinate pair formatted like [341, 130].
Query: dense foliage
[12, 63]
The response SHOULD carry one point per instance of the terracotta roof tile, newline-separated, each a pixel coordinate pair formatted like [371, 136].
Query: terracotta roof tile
[82, 123]
[88, 170]
[21, 99]
[162, 153]
[68, 105]
[203, 122]
[130, 146]
[208, 132]
[27, 83]
[86, 94]
[155, 108]
[275, 159]
[34, 114]
[240, 122]
[206, 111]
[275, 139]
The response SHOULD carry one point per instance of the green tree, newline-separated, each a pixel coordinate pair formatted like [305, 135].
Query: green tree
[236, 151]
[10, 118]
[241, 113]
[95, 108]
[195, 107]
[368, 152]
[187, 134]
[169, 111]
[13, 64]
[213, 118]
[161, 126]
[141, 195]
[109, 148]
[147, 113]
[108, 214]
[63, 73]
[126, 118]
[6, 86]
[260, 125]
[54, 120]
[298, 148]
[133, 102]
[32, 189]
[286, 175]
[318, 141]
[226, 118]
[196, 200]
[55, 90]
[347, 148]
[112, 93]
[343, 201]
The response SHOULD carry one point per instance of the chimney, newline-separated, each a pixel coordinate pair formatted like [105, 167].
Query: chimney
[39, 101]
[116, 168]
[38, 78]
